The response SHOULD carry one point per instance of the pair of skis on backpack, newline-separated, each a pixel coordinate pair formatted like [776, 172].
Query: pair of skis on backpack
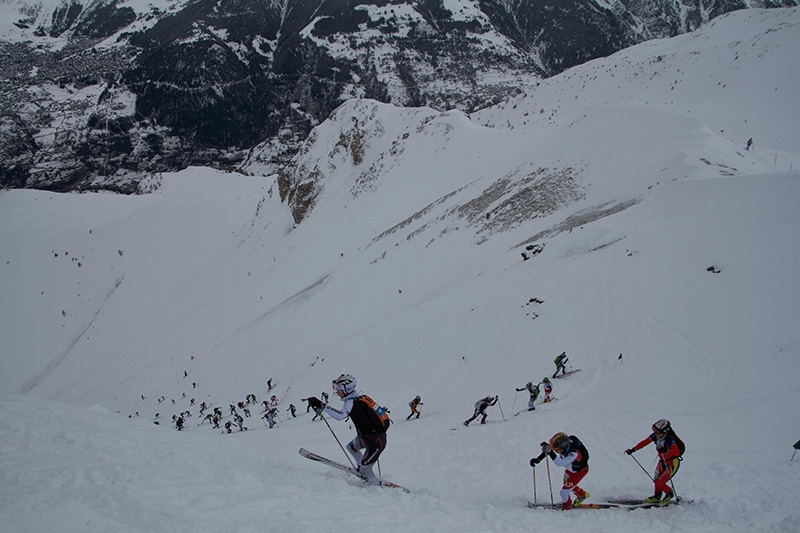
[350, 470]
[629, 504]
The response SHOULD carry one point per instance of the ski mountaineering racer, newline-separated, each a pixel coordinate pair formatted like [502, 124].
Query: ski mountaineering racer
[533, 392]
[480, 409]
[561, 363]
[570, 453]
[414, 404]
[670, 449]
[548, 388]
[369, 419]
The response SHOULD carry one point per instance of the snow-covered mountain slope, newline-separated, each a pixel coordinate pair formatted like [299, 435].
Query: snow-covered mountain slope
[663, 261]
[735, 74]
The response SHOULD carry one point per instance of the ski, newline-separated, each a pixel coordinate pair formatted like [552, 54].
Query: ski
[350, 470]
[642, 504]
[627, 504]
[565, 374]
[557, 507]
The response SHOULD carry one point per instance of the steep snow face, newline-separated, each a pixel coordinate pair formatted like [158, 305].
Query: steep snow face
[688, 82]
[694, 75]
[661, 254]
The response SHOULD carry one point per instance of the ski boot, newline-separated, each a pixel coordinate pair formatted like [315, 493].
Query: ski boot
[655, 498]
[580, 499]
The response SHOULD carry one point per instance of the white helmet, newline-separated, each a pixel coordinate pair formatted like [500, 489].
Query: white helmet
[345, 383]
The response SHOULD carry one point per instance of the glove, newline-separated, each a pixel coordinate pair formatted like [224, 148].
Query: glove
[534, 462]
[315, 403]
[630, 451]
[496, 398]
[545, 447]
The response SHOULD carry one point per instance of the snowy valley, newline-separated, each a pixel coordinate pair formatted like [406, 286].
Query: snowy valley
[662, 256]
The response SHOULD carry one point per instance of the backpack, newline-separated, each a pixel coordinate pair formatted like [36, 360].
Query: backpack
[370, 417]
[679, 442]
[576, 444]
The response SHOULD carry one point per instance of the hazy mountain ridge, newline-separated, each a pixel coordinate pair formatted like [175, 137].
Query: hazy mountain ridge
[102, 93]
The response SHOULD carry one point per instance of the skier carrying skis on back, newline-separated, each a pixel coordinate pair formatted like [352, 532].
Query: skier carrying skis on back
[561, 363]
[370, 420]
[534, 394]
[670, 450]
[570, 453]
[480, 409]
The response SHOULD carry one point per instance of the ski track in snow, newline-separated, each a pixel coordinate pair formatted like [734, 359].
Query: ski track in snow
[36, 380]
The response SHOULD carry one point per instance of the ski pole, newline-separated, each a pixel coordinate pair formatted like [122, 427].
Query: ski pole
[514, 404]
[534, 485]
[338, 441]
[501, 409]
[674, 491]
[549, 482]
[643, 469]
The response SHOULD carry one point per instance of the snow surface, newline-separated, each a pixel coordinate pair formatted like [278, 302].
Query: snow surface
[207, 288]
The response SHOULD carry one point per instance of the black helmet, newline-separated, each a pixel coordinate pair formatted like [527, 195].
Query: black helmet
[662, 426]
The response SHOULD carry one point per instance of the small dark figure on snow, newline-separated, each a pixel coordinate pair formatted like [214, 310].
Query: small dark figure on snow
[292, 409]
[179, 423]
[480, 409]
[239, 421]
[570, 453]
[233, 409]
[228, 426]
[749, 144]
[670, 449]
[533, 392]
[416, 402]
[246, 412]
